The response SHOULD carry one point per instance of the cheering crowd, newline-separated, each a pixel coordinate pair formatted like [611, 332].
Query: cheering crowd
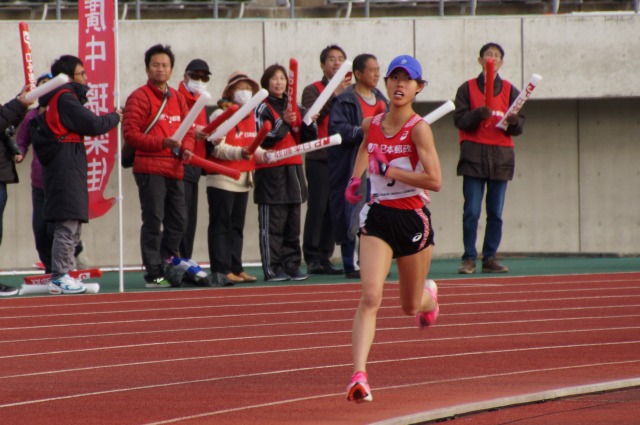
[168, 184]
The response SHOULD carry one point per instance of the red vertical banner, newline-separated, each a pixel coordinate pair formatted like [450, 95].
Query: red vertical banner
[27, 60]
[96, 49]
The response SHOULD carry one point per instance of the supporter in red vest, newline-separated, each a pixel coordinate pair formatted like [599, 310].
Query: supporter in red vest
[228, 197]
[196, 77]
[280, 186]
[487, 159]
[64, 161]
[157, 166]
[318, 241]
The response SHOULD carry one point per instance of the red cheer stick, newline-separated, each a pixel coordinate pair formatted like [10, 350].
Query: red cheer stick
[266, 128]
[221, 118]
[213, 168]
[292, 90]
[488, 84]
[27, 60]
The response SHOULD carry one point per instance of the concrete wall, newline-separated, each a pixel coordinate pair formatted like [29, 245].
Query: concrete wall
[576, 186]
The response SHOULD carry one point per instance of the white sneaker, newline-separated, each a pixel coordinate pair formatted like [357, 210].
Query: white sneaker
[66, 285]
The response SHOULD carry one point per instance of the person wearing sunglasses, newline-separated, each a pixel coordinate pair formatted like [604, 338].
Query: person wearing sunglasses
[195, 79]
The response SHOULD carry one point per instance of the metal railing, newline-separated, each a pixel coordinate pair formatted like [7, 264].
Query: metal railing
[214, 6]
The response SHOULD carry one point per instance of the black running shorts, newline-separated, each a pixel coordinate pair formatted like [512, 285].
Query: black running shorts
[405, 231]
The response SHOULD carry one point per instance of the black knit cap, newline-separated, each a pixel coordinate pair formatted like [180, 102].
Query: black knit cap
[198, 65]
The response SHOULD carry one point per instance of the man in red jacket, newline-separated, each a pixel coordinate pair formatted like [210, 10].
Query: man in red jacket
[157, 166]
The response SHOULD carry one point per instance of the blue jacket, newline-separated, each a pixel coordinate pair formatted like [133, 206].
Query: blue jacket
[345, 118]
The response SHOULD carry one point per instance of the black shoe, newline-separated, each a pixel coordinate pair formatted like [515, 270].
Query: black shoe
[7, 291]
[298, 275]
[353, 275]
[329, 268]
[315, 268]
[279, 277]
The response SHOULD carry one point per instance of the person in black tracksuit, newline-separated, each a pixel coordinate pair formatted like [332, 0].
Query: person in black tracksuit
[280, 187]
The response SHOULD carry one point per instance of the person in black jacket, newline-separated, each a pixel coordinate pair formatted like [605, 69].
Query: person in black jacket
[487, 158]
[319, 243]
[354, 104]
[57, 136]
[10, 115]
[280, 188]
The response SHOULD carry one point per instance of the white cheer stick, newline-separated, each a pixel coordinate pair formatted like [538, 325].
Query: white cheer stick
[239, 116]
[92, 288]
[191, 116]
[50, 85]
[332, 85]
[520, 100]
[314, 145]
[439, 112]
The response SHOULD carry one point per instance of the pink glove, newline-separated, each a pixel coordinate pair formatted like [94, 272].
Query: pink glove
[378, 162]
[351, 193]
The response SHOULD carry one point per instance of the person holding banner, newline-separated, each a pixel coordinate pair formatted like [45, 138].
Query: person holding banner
[487, 156]
[10, 115]
[152, 114]
[402, 160]
[57, 135]
[318, 241]
[195, 79]
[280, 188]
[228, 197]
[354, 104]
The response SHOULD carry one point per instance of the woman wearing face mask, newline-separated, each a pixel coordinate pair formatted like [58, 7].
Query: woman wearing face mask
[228, 197]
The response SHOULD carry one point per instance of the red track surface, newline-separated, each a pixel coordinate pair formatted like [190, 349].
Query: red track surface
[277, 355]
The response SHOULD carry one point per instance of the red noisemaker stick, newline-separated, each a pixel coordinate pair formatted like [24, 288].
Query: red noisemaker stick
[292, 91]
[266, 128]
[488, 84]
[220, 119]
[213, 168]
[27, 60]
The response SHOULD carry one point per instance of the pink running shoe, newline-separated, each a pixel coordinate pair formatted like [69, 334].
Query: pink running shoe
[358, 390]
[427, 319]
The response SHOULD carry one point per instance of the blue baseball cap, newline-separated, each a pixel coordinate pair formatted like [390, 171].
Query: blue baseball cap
[409, 64]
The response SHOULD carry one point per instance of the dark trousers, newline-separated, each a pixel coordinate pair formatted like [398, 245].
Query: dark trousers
[318, 241]
[191, 205]
[42, 230]
[163, 217]
[227, 211]
[473, 191]
[3, 204]
[279, 227]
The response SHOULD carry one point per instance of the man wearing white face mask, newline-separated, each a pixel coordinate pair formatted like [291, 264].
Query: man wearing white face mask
[196, 77]
[228, 197]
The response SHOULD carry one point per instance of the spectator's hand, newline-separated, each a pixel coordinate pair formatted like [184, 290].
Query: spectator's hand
[262, 157]
[199, 134]
[119, 112]
[21, 96]
[245, 153]
[171, 143]
[187, 155]
[351, 193]
[485, 112]
[378, 162]
[18, 158]
[344, 84]
[289, 117]
[512, 119]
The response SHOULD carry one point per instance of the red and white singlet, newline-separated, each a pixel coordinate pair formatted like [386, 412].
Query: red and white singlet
[401, 153]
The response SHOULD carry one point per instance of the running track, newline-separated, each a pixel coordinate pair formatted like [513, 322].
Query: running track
[274, 355]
